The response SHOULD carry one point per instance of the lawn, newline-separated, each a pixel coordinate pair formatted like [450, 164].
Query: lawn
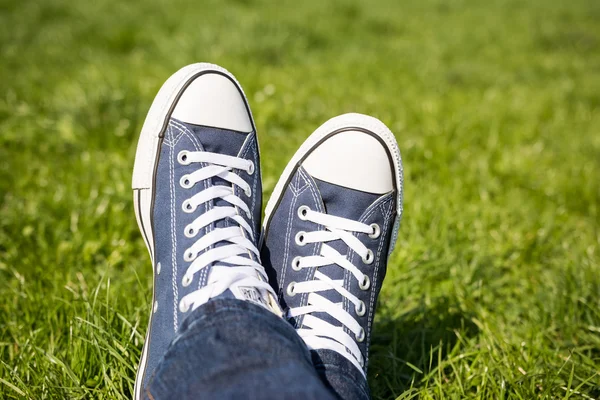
[494, 288]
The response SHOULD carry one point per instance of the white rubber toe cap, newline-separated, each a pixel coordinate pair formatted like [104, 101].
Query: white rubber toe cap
[214, 100]
[352, 159]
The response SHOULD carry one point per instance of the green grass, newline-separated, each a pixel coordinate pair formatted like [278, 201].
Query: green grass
[494, 288]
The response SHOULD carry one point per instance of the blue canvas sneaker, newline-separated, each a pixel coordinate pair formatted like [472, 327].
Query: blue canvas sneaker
[197, 197]
[329, 228]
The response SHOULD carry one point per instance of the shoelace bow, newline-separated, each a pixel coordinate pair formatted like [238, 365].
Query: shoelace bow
[234, 241]
[317, 333]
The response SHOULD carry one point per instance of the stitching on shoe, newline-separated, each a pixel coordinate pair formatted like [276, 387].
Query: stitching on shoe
[287, 239]
[203, 277]
[184, 129]
[256, 160]
[310, 273]
[249, 144]
[381, 200]
[302, 174]
[347, 276]
[312, 185]
[173, 234]
[386, 218]
[180, 132]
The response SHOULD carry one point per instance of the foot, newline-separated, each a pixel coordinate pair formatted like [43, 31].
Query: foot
[197, 197]
[330, 226]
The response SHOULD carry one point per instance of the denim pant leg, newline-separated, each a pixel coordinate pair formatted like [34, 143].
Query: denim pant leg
[232, 349]
[340, 375]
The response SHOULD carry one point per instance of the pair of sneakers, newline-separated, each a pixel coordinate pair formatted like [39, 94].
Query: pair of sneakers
[320, 257]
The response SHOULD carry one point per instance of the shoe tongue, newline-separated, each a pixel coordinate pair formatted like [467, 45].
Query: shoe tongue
[346, 203]
[217, 140]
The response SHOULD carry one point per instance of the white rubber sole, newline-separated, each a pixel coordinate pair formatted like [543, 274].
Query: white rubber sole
[146, 161]
[342, 122]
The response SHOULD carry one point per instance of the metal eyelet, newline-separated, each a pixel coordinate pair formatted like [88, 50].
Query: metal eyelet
[183, 306]
[248, 192]
[186, 280]
[300, 238]
[296, 264]
[190, 232]
[376, 231]
[302, 211]
[361, 336]
[185, 182]
[368, 259]
[158, 268]
[250, 169]
[188, 207]
[189, 256]
[182, 157]
[361, 309]
[290, 289]
[365, 284]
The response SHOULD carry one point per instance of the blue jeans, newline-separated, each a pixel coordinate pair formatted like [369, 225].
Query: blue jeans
[232, 349]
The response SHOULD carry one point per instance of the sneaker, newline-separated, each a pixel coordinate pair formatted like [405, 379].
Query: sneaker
[329, 228]
[197, 198]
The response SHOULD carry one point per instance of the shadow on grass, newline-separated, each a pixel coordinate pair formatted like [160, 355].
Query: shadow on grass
[405, 351]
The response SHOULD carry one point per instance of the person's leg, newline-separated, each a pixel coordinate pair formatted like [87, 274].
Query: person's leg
[232, 349]
[329, 227]
[216, 328]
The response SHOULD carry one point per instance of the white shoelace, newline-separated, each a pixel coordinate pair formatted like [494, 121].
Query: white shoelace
[317, 333]
[241, 272]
